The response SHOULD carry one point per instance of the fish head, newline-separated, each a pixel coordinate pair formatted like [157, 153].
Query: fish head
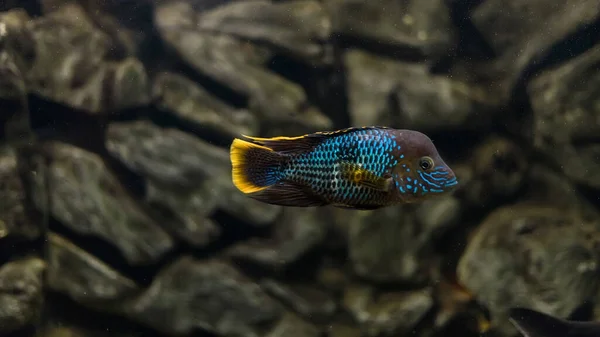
[421, 172]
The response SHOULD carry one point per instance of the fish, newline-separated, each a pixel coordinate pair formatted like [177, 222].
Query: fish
[362, 168]
[532, 323]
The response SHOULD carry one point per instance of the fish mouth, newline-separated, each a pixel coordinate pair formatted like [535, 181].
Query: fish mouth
[440, 181]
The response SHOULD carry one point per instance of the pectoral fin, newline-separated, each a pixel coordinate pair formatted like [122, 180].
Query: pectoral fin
[361, 176]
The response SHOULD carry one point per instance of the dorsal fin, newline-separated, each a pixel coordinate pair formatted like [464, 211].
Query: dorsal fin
[307, 142]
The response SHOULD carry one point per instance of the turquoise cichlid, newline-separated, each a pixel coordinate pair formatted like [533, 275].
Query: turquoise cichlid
[358, 167]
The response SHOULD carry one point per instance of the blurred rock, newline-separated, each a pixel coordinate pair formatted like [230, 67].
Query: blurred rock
[297, 28]
[15, 219]
[534, 256]
[522, 33]
[16, 57]
[387, 314]
[383, 91]
[332, 277]
[240, 66]
[194, 105]
[167, 155]
[343, 330]
[210, 295]
[297, 232]
[453, 302]
[72, 65]
[127, 31]
[390, 245]
[21, 293]
[497, 170]
[417, 28]
[439, 214]
[307, 300]
[292, 326]
[64, 331]
[188, 211]
[567, 116]
[548, 186]
[17, 50]
[88, 199]
[85, 279]
[184, 171]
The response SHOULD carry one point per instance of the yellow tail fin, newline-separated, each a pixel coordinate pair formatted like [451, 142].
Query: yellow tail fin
[254, 167]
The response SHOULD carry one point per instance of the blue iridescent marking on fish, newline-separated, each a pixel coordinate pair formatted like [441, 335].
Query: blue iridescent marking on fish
[425, 177]
[370, 149]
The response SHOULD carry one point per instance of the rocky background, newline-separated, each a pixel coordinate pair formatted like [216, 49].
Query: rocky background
[119, 217]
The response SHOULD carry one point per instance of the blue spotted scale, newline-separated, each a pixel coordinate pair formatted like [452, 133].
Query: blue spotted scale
[359, 167]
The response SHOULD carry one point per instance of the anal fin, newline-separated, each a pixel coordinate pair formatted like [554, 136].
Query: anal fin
[289, 194]
[361, 176]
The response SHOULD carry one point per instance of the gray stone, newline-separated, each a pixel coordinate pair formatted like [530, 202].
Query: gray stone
[88, 199]
[343, 330]
[16, 220]
[521, 33]
[210, 295]
[534, 256]
[496, 171]
[300, 29]
[418, 28]
[306, 300]
[549, 186]
[332, 277]
[186, 174]
[194, 105]
[297, 232]
[389, 245]
[72, 67]
[189, 211]
[16, 57]
[167, 155]
[384, 91]
[387, 314]
[21, 293]
[293, 326]
[127, 32]
[567, 116]
[439, 214]
[16, 54]
[86, 280]
[240, 66]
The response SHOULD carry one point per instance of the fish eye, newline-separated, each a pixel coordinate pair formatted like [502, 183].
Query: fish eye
[426, 163]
